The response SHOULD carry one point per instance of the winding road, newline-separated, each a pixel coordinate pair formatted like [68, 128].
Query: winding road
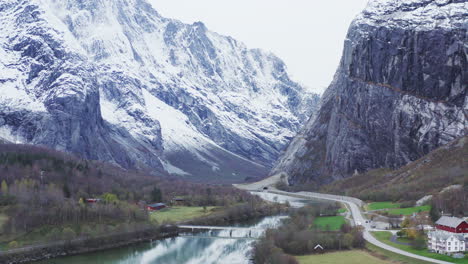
[353, 204]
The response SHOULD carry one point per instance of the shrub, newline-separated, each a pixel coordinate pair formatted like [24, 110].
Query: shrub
[110, 198]
[348, 241]
[68, 233]
[267, 253]
[6, 200]
[54, 234]
[86, 231]
[419, 243]
[13, 244]
[407, 204]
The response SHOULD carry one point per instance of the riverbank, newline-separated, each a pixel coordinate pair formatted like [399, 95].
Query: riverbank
[82, 245]
[208, 247]
[240, 213]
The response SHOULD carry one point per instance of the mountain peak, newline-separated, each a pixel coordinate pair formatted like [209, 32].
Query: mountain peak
[115, 81]
[417, 14]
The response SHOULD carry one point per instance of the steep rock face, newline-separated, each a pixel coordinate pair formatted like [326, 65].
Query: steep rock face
[400, 92]
[50, 94]
[115, 81]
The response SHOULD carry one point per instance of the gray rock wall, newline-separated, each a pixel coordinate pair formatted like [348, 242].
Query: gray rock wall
[400, 92]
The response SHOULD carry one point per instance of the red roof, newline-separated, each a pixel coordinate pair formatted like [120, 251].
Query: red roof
[452, 224]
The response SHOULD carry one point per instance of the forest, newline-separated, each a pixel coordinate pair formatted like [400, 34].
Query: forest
[47, 188]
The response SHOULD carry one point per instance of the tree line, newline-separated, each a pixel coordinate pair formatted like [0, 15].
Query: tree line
[42, 187]
[298, 236]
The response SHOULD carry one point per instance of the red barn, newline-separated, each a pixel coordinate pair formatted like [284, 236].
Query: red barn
[92, 200]
[452, 224]
[156, 206]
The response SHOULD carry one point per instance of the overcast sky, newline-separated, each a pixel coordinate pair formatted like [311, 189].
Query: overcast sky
[307, 34]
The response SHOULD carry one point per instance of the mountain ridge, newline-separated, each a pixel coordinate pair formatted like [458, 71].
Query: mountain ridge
[115, 81]
[399, 92]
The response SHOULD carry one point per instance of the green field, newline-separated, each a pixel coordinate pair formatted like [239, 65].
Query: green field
[382, 205]
[342, 210]
[394, 208]
[333, 222]
[410, 210]
[348, 257]
[385, 238]
[391, 256]
[181, 213]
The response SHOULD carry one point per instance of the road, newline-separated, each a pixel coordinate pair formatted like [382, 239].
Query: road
[353, 204]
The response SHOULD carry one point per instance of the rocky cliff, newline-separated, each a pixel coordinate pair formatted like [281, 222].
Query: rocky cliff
[400, 92]
[115, 81]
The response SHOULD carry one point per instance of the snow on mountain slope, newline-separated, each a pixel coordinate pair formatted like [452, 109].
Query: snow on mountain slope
[150, 92]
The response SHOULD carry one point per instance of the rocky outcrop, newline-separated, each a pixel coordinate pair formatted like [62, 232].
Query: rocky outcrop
[115, 81]
[400, 92]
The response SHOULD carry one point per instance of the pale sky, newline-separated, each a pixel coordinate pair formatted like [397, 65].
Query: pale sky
[307, 34]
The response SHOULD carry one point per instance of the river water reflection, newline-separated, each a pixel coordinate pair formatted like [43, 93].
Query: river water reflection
[179, 250]
[187, 250]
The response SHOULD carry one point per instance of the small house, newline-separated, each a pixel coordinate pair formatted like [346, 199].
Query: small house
[178, 201]
[156, 206]
[92, 200]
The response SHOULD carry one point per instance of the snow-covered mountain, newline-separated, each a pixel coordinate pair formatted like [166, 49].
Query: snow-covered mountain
[115, 81]
[400, 92]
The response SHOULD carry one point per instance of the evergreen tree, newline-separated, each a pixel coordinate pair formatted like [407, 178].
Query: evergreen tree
[4, 187]
[434, 213]
[156, 195]
[66, 191]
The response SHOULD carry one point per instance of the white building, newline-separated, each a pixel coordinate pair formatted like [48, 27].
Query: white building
[446, 242]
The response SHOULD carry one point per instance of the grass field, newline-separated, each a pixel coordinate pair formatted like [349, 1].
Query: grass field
[382, 205]
[181, 213]
[348, 257]
[342, 210]
[410, 210]
[394, 208]
[393, 257]
[385, 238]
[334, 222]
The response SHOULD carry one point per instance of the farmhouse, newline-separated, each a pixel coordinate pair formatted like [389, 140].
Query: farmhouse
[452, 225]
[156, 206]
[446, 242]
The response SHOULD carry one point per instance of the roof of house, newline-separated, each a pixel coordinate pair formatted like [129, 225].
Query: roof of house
[157, 205]
[450, 221]
[442, 235]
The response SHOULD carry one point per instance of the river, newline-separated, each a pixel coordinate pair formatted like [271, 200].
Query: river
[186, 250]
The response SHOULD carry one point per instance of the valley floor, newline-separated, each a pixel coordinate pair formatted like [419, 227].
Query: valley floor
[182, 213]
[358, 217]
[349, 257]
